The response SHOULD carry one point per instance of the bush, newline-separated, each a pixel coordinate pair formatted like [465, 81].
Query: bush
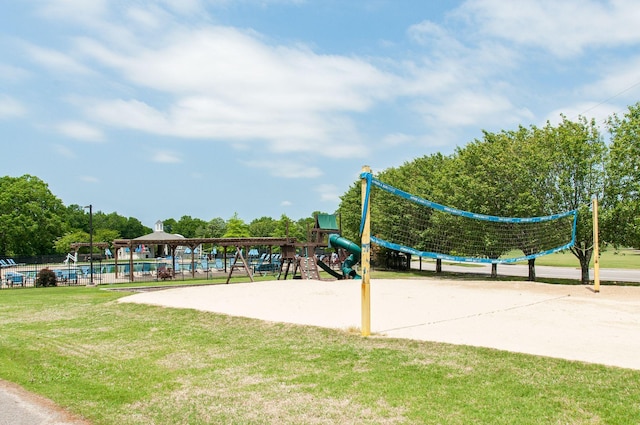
[45, 278]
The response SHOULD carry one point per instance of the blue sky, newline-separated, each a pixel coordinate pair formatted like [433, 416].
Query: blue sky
[159, 109]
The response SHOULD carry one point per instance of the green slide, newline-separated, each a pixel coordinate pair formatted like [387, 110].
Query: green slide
[328, 269]
[352, 260]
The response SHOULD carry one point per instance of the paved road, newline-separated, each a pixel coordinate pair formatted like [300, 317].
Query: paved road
[617, 275]
[19, 407]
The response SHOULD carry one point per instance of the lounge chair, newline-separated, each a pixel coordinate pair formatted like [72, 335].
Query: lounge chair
[67, 276]
[219, 264]
[14, 278]
[204, 266]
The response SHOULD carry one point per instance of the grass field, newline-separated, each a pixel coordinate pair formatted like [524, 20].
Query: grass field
[624, 258]
[133, 364]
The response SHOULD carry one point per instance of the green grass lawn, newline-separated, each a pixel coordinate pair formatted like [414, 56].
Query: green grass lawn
[623, 258]
[610, 258]
[134, 364]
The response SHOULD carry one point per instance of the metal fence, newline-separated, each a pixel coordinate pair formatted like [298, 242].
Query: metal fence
[23, 272]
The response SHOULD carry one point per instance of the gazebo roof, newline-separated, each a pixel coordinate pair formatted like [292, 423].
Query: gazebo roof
[158, 236]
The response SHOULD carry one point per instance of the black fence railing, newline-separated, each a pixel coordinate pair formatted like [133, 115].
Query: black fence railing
[23, 272]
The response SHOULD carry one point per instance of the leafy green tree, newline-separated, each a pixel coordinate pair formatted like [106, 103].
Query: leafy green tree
[63, 243]
[76, 218]
[105, 235]
[170, 225]
[503, 174]
[189, 227]
[128, 228]
[621, 217]
[215, 228]
[577, 151]
[350, 211]
[303, 226]
[283, 227]
[262, 227]
[236, 228]
[31, 217]
[133, 229]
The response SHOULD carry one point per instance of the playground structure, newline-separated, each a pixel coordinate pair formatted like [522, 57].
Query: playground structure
[326, 233]
[241, 254]
[176, 257]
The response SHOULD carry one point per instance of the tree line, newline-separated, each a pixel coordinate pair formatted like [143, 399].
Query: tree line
[529, 172]
[35, 222]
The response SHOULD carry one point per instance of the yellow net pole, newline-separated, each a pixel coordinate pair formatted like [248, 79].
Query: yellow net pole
[596, 247]
[365, 260]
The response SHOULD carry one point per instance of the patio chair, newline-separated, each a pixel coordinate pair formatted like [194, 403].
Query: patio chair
[14, 278]
[204, 266]
[219, 264]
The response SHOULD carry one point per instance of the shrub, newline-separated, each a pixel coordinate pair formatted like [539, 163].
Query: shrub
[46, 277]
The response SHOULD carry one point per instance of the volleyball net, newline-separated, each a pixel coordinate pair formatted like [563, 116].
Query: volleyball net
[413, 225]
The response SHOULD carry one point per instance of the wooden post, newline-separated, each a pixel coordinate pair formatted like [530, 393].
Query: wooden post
[365, 260]
[596, 247]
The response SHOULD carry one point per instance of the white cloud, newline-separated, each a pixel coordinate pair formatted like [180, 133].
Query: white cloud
[232, 85]
[459, 82]
[81, 11]
[286, 169]
[620, 80]
[80, 131]
[11, 108]
[55, 60]
[129, 114]
[565, 28]
[227, 85]
[467, 108]
[396, 139]
[64, 151]
[143, 17]
[328, 193]
[286, 203]
[166, 157]
[590, 110]
[89, 179]
[185, 6]
[12, 73]
[430, 34]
